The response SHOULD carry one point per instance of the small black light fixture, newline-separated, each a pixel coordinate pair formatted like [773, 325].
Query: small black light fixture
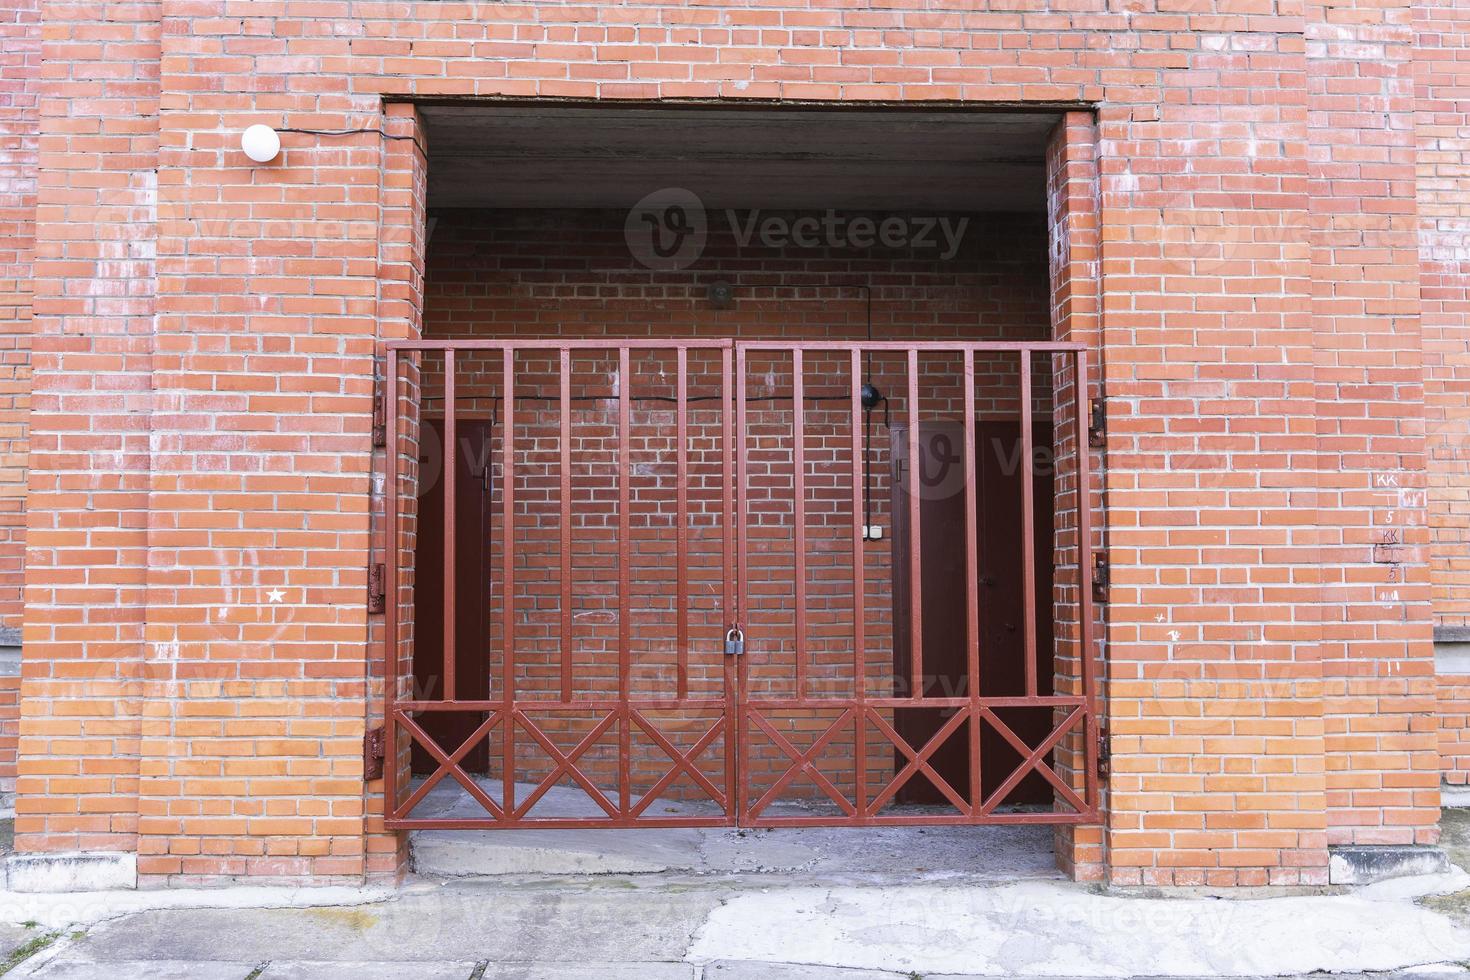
[721, 294]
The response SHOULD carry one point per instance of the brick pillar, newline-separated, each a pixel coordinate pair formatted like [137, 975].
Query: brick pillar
[20, 82]
[401, 311]
[1442, 81]
[1377, 654]
[1073, 248]
[88, 491]
[1214, 677]
[20, 78]
[268, 314]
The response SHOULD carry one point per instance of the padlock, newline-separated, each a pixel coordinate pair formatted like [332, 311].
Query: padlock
[734, 642]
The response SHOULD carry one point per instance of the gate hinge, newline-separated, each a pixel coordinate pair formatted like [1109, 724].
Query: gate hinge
[1100, 581]
[1104, 751]
[1097, 425]
[373, 742]
[377, 589]
[380, 410]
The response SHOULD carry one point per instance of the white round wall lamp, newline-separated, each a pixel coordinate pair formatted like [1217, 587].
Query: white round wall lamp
[260, 143]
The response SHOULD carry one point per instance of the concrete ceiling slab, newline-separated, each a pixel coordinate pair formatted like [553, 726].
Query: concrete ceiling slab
[572, 157]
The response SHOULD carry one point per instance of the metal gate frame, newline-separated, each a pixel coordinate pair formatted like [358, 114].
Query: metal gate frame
[1074, 712]
[740, 716]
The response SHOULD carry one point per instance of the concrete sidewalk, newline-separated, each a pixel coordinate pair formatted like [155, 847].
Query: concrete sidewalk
[786, 907]
[662, 927]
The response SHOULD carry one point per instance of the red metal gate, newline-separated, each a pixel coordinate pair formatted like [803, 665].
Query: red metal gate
[689, 596]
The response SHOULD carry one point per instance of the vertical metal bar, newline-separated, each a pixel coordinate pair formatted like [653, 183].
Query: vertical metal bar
[625, 603]
[567, 642]
[742, 510]
[972, 583]
[730, 583]
[916, 538]
[1084, 577]
[1028, 526]
[798, 508]
[390, 606]
[448, 477]
[859, 587]
[508, 575]
[681, 519]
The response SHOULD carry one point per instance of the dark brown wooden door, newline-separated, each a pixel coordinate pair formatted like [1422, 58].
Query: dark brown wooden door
[942, 567]
[472, 584]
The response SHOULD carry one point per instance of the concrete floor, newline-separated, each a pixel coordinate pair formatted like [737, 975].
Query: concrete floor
[996, 853]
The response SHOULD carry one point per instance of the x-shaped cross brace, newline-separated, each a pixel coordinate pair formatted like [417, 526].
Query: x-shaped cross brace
[449, 765]
[919, 762]
[802, 763]
[566, 763]
[1033, 760]
[683, 762]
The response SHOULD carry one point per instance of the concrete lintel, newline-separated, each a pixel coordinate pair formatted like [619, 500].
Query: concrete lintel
[1452, 634]
[1451, 656]
[1363, 864]
[71, 871]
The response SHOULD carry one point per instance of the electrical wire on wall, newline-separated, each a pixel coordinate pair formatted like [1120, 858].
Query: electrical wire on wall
[355, 132]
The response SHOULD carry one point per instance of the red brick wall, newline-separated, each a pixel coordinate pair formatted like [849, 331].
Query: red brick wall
[1442, 120]
[1214, 679]
[20, 79]
[1260, 338]
[1454, 728]
[401, 262]
[1442, 90]
[9, 734]
[1377, 653]
[1074, 240]
[84, 685]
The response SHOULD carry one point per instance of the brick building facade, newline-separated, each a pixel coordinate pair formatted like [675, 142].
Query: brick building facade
[1252, 213]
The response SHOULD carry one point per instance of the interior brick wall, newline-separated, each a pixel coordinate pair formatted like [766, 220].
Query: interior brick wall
[519, 274]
